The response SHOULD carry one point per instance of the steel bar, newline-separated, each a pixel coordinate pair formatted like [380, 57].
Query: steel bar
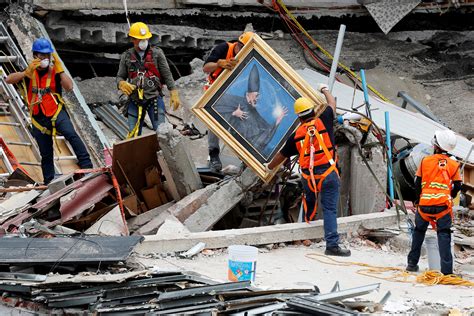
[343, 294]
[22, 189]
[10, 124]
[389, 156]
[366, 93]
[335, 60]
[202, 290]
[418, 106]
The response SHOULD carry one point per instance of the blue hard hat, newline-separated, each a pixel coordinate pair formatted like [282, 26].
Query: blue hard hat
[42, 45]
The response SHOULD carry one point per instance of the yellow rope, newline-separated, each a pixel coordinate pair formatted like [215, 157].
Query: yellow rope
[325, 52]
[429, 277]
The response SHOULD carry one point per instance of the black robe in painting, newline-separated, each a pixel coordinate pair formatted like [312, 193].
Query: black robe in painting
[255, 129]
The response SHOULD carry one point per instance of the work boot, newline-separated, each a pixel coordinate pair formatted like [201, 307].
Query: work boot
[412, 268]
[337, 251]
[215, 162]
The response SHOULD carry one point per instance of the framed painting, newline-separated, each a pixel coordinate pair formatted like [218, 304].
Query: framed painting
[250, 108]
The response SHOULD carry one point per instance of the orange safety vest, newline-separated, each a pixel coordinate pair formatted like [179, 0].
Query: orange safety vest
[437, 173]
[40, 93]
[316, 149]
[213, 76]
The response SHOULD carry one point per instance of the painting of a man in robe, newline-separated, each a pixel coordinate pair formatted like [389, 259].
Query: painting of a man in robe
[255, 109]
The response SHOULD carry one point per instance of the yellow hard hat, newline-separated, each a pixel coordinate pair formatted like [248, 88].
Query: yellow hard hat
[139, 30]
[303, 105]
[245, 37]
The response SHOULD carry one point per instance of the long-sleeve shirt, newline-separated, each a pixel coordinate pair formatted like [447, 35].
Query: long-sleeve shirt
[161, 64]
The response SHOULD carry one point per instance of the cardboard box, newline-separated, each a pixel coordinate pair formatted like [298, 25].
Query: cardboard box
[152, 176]
[152, 198]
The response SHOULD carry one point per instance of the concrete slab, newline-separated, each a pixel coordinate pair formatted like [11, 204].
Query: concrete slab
[111, 224]
[218, 204]
[264, 235]
[136, 222]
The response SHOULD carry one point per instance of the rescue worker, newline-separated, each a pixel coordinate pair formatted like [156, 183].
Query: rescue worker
[221, 57]
[45, 78]
[142, 72]
[314, 138]
[437, 182]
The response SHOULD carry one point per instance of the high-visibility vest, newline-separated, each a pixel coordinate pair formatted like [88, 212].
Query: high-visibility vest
[303, 144]
[230, 54]
[437, 173]
[41, 93]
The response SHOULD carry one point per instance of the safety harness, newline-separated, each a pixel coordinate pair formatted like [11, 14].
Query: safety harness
[313, 137]
[434, 192]
[213, 76]
[147, 74]
[36, 100]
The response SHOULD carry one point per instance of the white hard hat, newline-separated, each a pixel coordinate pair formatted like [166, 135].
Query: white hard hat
[445, 140]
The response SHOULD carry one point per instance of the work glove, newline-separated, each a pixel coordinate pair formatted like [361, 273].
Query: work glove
[126, 88]
[35, 63]
[322, 86]
[227, 64]
[268, 170]
[58, 66]
[174, 99]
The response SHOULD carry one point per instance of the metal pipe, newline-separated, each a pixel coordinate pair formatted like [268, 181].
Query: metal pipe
[335, 60]
[389, 155]
[366, 93]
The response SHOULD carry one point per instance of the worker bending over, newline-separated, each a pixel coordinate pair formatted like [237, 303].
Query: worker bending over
[437, 182]
[45, 78]
[314, 139]
[222, 57]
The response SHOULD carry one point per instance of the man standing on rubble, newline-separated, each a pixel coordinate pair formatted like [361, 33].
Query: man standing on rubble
[142, 71]
[315, 138]
[222, 57]
[45, 78]
[437, 182]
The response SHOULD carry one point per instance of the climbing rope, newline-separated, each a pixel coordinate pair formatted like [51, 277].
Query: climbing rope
[429, 277]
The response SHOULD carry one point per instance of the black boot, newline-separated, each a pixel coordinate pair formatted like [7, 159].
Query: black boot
[412, 268]
[215, 162]
[337, 251]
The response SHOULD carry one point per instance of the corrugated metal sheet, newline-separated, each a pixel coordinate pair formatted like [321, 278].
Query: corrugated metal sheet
[413, 126]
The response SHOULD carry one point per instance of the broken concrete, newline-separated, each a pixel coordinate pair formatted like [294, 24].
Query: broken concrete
[265, 234]
[111, 224]
[136, 222]
[152, 226]
[218, 204]
[172, 226]
[60, 183]
[178, 158]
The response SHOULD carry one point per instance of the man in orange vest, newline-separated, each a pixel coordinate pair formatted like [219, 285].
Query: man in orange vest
[221, 57]
[45, 78]
[314, 142]
[437, 182]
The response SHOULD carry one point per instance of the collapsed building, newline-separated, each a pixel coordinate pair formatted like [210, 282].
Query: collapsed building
[159, 185]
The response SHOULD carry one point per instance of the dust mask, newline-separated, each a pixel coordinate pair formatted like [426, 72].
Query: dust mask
[44, 63]
[143, 44]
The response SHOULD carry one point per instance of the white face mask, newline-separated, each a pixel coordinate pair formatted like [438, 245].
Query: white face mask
[143, 44]
[44, 63]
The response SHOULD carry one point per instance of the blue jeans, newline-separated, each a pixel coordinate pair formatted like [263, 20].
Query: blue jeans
[156, 118]
[443, 230]
[329, 200]
[45, 144]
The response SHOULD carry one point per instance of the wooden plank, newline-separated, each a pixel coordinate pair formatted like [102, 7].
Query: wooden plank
[135, 155]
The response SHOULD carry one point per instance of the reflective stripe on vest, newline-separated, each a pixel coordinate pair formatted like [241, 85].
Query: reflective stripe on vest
[436, 180]
[320, 158]
[40, 93]
[230, 54]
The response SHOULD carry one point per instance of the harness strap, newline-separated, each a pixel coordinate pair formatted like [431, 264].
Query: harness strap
[433, 218]
[134, 131]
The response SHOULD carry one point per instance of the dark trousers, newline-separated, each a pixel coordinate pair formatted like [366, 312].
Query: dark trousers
[443, 230]
[45, 144]
[329, 200]
[155, 109]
